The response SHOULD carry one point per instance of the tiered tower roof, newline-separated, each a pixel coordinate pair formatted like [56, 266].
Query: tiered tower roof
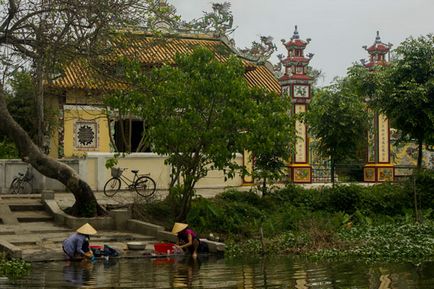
[377, 52]
[296, 62]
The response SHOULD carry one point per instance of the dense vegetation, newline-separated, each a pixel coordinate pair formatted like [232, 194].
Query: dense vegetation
[374, 222]
[13, 268]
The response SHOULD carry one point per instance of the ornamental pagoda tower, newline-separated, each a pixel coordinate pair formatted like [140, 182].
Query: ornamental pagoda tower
[296, 84]
[378, 167]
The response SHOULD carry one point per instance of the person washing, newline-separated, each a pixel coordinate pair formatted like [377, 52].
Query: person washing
[76, 246]
[187, 238]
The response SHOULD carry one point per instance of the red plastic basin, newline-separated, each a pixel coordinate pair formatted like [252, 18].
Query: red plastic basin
[164, 248]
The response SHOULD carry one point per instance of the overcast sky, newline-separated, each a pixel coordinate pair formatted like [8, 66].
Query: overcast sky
[338, 28]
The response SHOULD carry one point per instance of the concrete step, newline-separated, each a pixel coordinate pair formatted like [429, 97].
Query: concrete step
[32, 216]
[6, 197]
[26, 207]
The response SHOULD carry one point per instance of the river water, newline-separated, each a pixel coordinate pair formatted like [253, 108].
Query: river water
[212, 272]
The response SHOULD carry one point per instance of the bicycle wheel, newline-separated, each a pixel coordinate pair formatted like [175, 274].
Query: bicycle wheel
[25, 188]
[112, 187]
[13, 188]
[145, 186]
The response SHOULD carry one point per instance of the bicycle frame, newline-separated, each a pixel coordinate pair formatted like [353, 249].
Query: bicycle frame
[22, 183]
[142, 184]
[127, 181]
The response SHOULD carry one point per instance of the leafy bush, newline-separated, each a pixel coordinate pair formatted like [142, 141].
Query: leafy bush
[424, 181]
[343, 198]
[8, 150]
[349, 220]
[226, 215]
[13, 268]
[248, 197]
[390, 242]
[204, 215]
[387, 199]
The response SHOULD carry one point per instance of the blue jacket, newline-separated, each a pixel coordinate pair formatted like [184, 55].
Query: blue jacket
[74, 244]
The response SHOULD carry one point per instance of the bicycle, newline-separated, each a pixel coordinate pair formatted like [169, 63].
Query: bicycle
[144, 185]
[22, 183]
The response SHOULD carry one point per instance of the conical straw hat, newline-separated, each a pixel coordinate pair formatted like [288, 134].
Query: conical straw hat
[86, 229]
[178, 227]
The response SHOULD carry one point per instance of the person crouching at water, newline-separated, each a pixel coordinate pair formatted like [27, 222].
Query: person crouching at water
[187, 238]
[76, 246]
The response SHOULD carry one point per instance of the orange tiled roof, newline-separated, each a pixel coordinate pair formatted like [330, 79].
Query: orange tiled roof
[151, 51]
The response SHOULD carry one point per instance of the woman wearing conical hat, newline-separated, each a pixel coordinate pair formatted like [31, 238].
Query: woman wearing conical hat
[76, 246]
[187, 238]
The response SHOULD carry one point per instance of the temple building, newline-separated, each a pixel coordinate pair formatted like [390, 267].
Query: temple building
[85, 124]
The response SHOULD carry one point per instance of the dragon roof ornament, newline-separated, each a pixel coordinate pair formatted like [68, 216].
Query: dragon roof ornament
[260, 51]
[218, 22]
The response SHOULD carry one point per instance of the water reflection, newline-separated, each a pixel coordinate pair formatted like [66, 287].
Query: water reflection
[79, 273]
[211, 272]
[186, 269]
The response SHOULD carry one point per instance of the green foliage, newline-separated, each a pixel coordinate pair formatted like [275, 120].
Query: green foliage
[369, 222]
[127, 104]
[248, 248]
[236, 214]
[159, 212]
[343, 198]
[404, 90]
[197, 116]
[424, 182]
[388, 199]
[395, 243]
[337, 120]
[8, 150]
[271, 136]
[21, 101]
[244, 197]
[13, 268]
[112, 162]
[203, 113]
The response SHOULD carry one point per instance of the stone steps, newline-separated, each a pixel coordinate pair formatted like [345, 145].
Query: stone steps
[32, 216]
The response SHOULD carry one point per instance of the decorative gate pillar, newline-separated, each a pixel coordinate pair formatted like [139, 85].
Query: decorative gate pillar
[296, 84]
[378, 167]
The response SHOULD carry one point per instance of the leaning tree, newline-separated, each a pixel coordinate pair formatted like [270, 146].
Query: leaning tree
[44, 34]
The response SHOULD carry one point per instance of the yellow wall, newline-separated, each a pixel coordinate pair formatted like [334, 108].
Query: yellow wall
[75, 118]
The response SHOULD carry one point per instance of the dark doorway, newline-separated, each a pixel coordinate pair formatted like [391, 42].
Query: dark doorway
[136, 135]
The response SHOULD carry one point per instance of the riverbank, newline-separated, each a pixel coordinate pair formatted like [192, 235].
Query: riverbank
[370, 222]
[34, 226]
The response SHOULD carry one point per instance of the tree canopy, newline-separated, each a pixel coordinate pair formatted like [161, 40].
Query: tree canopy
[337, 120]
[404, 90]
[200, 112]
[41, 35]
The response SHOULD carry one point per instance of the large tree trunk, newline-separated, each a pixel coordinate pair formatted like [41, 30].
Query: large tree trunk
[85, 201]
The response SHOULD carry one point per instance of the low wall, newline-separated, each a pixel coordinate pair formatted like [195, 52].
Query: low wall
[9, 169]
[92, 170]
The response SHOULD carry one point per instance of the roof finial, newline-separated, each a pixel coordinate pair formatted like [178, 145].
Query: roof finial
[378, 39]
[295, 36]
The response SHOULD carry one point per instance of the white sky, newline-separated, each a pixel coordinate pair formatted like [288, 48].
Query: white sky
[338, 28]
